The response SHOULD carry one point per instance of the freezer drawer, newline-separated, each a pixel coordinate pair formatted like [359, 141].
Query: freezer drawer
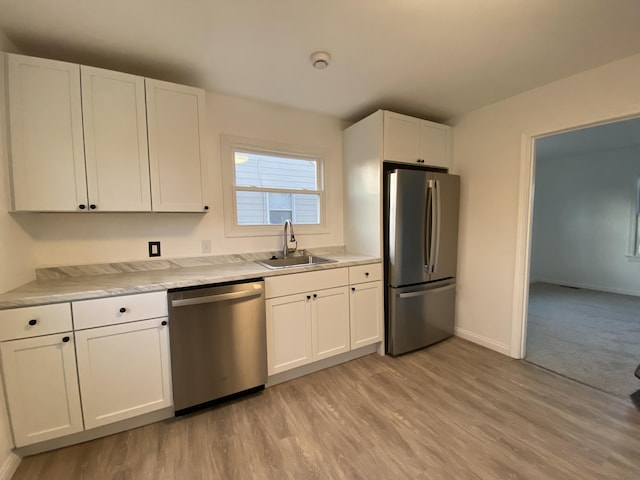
[420, 315]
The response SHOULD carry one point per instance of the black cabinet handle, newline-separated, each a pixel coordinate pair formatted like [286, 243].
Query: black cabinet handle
[308, 297]
[92, 206]
[366, 274]
[315, 295]
[33, 321]
[164, 322]
[122, 309]
[65, 339]
[353, 289]
[206, 207]
[82, 206]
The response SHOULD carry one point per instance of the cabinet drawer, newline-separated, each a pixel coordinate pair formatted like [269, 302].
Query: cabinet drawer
[114, 310]
[305, 282]
[365, 273]
[35, 321]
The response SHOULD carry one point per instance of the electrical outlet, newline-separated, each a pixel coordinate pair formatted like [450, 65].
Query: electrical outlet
[206, 246]
[154, 249]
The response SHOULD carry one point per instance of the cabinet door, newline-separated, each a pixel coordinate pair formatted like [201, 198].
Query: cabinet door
[366, 314]
[435, 144]
[45, 124]
[115, 140]
[176, 117]
[401, 139]
[41, 387]
[330, 322]
[288, 332]
[123, 370]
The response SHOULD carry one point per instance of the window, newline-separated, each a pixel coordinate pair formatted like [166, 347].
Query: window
[268, 184]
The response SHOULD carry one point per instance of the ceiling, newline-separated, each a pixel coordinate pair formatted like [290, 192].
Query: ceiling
[432, 58]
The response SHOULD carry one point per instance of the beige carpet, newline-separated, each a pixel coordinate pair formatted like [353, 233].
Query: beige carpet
[587, 335]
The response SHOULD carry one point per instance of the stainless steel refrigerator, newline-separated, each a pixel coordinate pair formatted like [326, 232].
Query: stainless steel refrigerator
[421, 248]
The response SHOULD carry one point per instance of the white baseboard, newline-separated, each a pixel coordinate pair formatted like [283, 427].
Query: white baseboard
[9, 466]
[587, 286]
[484, 341]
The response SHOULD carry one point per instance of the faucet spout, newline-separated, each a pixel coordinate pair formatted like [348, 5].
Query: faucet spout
[289, 236]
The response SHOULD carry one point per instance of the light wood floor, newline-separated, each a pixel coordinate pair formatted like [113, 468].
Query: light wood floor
[452, 411]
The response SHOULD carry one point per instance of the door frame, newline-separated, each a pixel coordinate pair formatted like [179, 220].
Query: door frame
[525, 216]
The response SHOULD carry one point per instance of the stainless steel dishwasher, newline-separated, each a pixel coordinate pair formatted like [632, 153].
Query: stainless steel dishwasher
[218, 342]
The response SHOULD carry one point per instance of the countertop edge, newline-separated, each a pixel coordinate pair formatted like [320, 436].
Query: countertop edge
[21, 297]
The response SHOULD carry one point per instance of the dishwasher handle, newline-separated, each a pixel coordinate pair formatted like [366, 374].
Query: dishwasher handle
[221, 297]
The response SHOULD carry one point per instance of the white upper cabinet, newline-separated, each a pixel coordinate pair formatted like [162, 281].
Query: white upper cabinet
[89, 139]
[115, 140]
[176, 119]
[412, 140]
[45, 125]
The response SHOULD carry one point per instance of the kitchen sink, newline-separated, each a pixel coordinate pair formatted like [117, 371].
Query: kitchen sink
[300, 261]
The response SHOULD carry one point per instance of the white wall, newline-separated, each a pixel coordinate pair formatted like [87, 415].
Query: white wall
[488, 152]
[584, 206]
[69, 238]
[16, 265]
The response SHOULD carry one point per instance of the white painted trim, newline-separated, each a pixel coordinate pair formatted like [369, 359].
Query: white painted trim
[9, 466]
[491, 344]
[525, 217]
[523, 247]
[598, 288]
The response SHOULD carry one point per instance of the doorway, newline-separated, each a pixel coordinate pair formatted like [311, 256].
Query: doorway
[583, 314]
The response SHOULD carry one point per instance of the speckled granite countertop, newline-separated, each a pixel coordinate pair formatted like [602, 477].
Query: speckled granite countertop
[82, 287]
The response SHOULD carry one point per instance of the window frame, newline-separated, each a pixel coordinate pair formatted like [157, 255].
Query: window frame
[229, 144]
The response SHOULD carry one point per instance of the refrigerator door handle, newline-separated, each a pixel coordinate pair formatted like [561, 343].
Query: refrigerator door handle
[420, 293]
[432, 226]
[436, 230]
[428, 228]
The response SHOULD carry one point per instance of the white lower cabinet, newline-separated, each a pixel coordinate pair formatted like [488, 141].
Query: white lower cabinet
[288, 332]
[314, 315]
[303, 328]
[123, 370]
[366, 314]
[41, 387]
[330, 322]
[117, 358]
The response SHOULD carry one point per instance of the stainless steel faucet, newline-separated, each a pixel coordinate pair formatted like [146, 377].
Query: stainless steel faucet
[292, 238]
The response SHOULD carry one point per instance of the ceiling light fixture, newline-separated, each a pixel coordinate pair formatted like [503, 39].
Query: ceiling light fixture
[320, 60]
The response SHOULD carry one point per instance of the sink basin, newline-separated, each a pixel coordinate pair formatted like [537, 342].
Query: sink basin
[300, 261]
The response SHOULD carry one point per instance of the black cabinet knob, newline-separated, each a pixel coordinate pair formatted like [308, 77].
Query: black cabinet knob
[366, 274]
[33, 321]
[82, 206]
[92, 206]
[164, 322]
[65, 339]
[308, 297]
[353, 289]
[122, 309]
[206, 207]
[315, 295]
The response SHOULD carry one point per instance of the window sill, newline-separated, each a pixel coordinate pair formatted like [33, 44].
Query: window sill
[633, 258]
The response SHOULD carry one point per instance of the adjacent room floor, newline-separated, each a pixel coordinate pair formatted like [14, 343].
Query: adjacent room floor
[587, 335]
[452, 411]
